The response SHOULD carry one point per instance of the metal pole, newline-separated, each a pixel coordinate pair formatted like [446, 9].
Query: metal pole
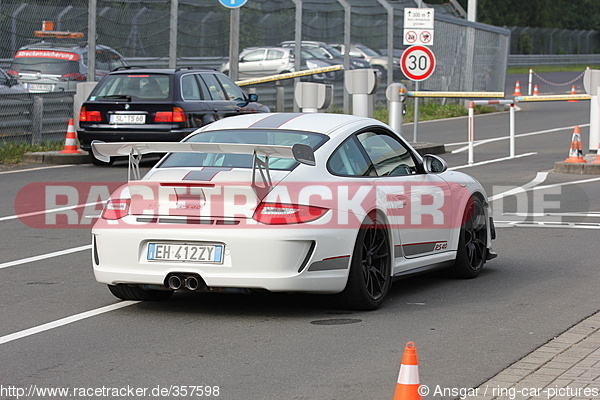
[37, 116]
[390, 40]
[471, 132]
[91, 73]
[347, 27]
[512, 130]
[530, 82]
[298, 45]
[416, 116]
[173, 33]
[234, 43]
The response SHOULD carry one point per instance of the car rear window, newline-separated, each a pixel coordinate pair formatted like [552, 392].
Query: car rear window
[139, 86]
[46, 62]
[249, 136]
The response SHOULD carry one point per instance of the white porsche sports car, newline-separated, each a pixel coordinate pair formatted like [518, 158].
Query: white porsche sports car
[321, 203]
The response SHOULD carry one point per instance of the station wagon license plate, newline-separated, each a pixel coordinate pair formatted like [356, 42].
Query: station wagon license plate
[128, 119]
[38, 87]
[185, 252]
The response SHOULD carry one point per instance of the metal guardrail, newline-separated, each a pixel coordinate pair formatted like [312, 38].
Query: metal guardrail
[530, 60]
[34, 117]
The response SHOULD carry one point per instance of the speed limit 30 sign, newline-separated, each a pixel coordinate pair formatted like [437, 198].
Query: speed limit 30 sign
[417, 63]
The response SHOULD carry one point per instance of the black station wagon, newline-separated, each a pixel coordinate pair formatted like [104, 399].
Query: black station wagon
[159, 105]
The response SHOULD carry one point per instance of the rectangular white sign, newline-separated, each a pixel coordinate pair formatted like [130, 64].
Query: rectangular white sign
[418, 18]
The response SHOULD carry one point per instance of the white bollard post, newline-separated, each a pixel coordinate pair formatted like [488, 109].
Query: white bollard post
[512, 130]
[396, 94]
[471, 131]
[530, 81]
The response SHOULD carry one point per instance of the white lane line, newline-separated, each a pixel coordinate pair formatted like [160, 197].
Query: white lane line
[35, 169]
[491, 161]
[480, 142]
[539, 178]
[567, 214]
[64, 321]
[536, 224]
[34, 213]
[45, 256]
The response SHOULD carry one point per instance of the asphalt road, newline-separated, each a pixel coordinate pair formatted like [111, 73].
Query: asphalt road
[275, 346]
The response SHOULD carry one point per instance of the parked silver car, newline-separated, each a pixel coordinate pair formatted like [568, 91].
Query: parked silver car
[376, 60]
[329, 53]
[256, 62]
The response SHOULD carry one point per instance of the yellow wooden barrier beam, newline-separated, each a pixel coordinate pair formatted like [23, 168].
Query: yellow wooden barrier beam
[289, 75]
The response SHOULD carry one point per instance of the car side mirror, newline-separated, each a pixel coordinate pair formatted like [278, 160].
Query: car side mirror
[434, 164]
[253, 97]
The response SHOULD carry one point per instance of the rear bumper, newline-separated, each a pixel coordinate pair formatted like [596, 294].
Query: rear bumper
[86, 136]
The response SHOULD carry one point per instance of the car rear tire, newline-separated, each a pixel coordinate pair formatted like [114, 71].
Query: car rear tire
[131, 292]
[95, 161]
[370, 269]
[472, 243]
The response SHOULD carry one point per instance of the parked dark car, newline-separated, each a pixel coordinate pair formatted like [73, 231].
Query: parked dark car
[55, 65]
[159, 105]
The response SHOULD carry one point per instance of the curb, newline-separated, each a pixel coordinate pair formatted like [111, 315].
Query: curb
[577, 168]
[56, 158]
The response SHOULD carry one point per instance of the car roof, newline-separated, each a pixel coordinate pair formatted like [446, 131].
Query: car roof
[312, 122]
[167, 71]
[68, 46]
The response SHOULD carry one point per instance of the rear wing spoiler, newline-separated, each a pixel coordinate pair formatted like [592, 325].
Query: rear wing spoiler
[302, 153]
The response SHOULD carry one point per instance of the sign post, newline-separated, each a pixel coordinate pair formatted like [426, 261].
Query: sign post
[234, 35]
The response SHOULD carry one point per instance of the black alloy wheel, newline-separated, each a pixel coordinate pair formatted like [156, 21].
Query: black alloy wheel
[472, 245]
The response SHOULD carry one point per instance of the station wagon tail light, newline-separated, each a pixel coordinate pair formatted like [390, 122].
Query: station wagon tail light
[281, 214]
[89, 116]
[176, 115]
[116, 209]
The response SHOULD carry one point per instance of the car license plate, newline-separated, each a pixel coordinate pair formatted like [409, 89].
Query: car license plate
[38, 87]
[185, 252]
[127, 119]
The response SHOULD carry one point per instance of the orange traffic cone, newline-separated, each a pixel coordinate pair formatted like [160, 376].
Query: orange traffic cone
[536, 91]
[71, 139]
[576, 152]
[597, 160]
[572, 93]
[408, 384]
[517, 89]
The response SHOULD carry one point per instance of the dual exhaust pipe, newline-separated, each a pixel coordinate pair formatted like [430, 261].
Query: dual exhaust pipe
[185, 281]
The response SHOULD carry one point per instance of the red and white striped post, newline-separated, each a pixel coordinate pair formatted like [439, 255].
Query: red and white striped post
[471, 127]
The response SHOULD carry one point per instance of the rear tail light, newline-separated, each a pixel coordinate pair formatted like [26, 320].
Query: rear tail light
[12, 73]
[116, 209]
[281, 214]
[74, 76]
[89, 116]
[176, 115]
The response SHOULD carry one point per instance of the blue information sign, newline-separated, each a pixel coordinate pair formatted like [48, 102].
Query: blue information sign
[233, 3]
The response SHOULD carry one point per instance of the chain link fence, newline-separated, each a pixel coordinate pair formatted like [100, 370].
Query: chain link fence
[553, 41]
[470, 56]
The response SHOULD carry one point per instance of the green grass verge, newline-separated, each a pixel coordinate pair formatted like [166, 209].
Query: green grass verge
[540, 69]
[12, 153]
[431, 110]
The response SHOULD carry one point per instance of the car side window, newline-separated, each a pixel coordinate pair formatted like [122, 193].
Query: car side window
[232, 91]
[214, 87]
[349, 160]
[257, 55]
[388, 155]
[274, 54]
[189, 88]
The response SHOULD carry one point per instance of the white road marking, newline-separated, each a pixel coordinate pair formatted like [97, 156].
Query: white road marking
[34, 213]
[571, 214]
[492, 161]
[539, 178]
[480, 142]
[45, 256]
[64, 321]
[540, 224]
[35, 169]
